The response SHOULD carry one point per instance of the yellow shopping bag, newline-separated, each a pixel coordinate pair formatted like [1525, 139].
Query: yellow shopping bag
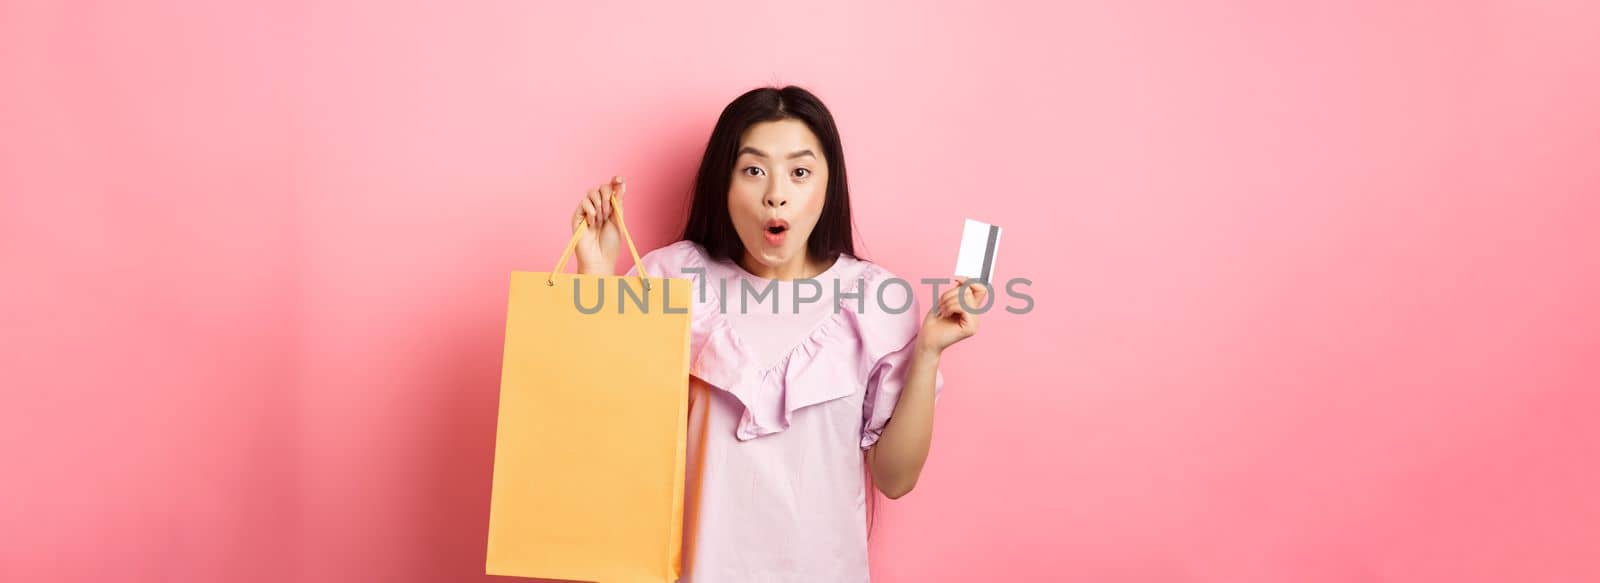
[589, 450]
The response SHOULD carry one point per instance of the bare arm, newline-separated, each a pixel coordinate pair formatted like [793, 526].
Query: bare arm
[896, 459]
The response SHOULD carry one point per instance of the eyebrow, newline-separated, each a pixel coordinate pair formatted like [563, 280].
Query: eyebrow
[759, 153]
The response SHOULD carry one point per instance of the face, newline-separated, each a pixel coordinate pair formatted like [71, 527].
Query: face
[780, 182]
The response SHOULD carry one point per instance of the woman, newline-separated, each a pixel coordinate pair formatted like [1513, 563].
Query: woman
[806, 370]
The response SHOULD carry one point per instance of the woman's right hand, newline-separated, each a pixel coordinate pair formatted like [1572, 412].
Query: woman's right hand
[597, 249]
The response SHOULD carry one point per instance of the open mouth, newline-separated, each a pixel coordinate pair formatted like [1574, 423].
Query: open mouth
[777, 226]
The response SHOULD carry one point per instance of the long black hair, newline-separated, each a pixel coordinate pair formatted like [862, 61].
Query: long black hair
[709, 223]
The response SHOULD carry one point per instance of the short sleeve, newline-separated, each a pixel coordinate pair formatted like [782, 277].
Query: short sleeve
[896, 334]
[888, 379]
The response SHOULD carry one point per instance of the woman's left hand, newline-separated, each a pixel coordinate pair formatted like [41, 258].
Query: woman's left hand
[950, 322]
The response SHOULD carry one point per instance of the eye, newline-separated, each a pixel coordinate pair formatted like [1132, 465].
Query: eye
[753, 171]
[802, 172]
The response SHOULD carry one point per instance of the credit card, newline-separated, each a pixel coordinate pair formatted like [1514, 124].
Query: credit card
[979, 243]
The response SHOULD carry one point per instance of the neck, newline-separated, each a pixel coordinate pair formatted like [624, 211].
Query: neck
[801, 267]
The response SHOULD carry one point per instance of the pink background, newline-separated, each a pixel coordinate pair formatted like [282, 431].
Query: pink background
[1316, 285]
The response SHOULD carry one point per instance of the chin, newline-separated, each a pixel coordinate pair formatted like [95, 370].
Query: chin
[770, 256]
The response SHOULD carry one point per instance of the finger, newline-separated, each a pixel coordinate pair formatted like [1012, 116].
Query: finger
[961, 284]
[950, 307]
[958, 304]
[980, 291]
[605, 201]
[621, 185]
[949, 294]
[587, 209]
[975, 293]
[971, 295]
[595, 218]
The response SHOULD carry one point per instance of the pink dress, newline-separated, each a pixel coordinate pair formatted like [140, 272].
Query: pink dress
[782, 407]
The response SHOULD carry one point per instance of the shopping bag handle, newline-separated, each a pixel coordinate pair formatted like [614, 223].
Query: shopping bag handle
[616, 209]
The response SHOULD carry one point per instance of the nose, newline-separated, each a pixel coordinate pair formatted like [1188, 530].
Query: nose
[775, 196]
